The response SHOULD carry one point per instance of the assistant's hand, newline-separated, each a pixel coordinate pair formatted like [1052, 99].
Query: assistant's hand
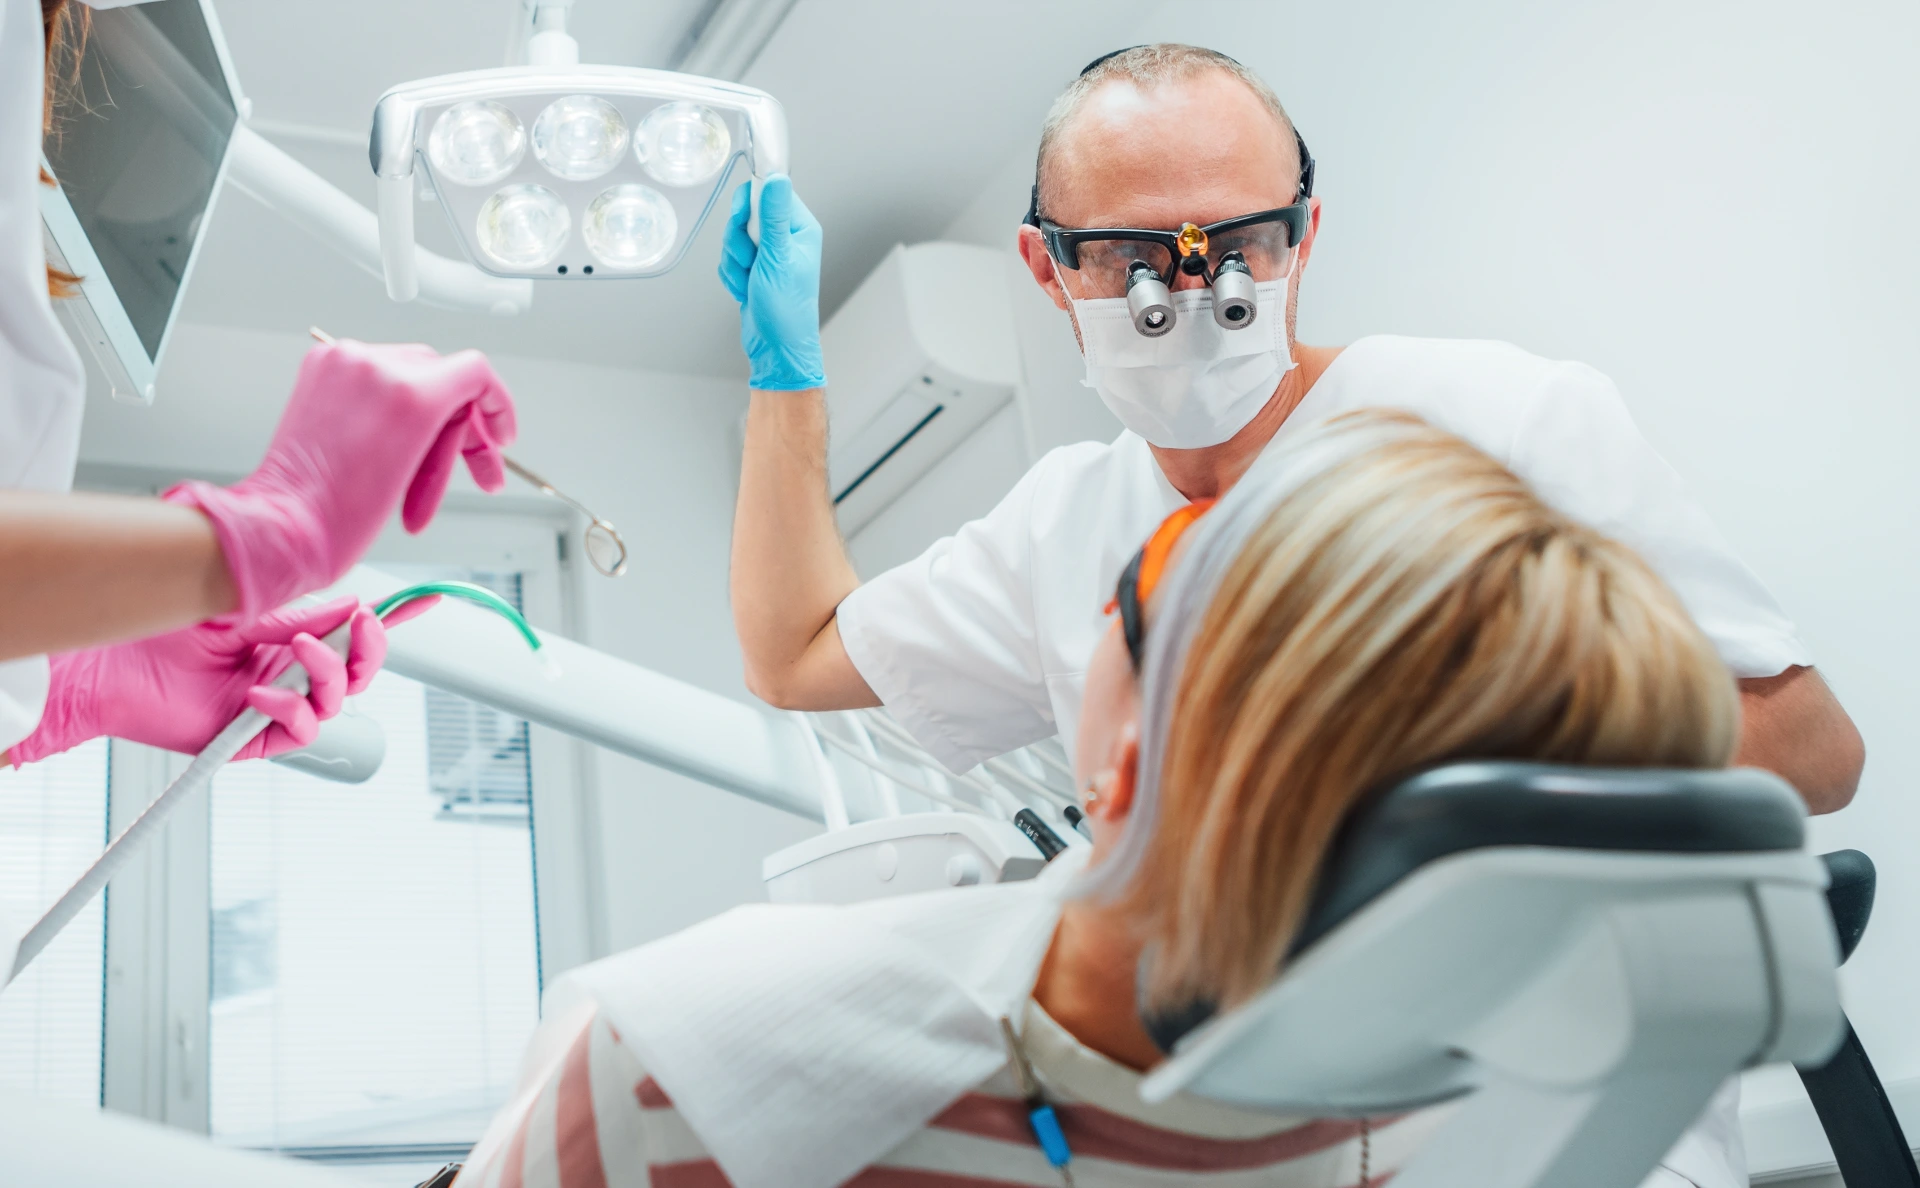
[180, 689]
[369, 428]
[777, 283]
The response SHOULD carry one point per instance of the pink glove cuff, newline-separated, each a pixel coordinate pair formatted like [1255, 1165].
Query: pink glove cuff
[273, 546]
[68, 719]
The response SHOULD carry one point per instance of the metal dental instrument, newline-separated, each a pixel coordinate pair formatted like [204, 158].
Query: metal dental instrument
[605, 550]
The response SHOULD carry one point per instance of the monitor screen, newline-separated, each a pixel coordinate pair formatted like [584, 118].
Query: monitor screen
[138, 156]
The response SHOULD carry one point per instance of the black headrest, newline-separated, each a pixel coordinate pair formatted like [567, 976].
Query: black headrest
[1480, 805]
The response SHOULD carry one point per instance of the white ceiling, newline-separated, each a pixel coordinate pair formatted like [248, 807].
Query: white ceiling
[900, 113]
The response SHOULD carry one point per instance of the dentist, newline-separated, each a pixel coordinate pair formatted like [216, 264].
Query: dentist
[1174, 166]
[164, 616]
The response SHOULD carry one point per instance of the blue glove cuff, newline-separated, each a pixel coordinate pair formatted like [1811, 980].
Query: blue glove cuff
[788, 373]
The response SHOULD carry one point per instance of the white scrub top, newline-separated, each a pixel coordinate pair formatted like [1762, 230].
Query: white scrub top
[981, 644]
[41, 381]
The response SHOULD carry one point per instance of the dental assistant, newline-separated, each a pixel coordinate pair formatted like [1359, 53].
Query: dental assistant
[1173, 158]
[165, 616]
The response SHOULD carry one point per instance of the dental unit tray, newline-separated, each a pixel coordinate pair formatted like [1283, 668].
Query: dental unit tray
[900, 856]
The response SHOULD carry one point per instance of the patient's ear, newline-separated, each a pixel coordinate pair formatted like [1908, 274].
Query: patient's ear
[1116, 799]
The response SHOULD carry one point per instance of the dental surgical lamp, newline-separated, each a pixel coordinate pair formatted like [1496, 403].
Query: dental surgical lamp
[560, 171]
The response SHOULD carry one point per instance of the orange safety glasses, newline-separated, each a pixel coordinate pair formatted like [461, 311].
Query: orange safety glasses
[1142, 575]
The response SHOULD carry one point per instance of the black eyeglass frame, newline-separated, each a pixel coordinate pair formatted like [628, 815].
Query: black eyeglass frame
[1126, 599]
[1063, 243]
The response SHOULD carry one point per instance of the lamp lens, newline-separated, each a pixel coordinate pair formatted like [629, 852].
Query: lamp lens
[523, 226]
[580, 137]
[682, 144]
[630, 226]
[476, 143]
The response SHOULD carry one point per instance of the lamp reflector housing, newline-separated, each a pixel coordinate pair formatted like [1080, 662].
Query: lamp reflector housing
[630, 226]
[683, 144]
[580, 205]
[477, 143]
[580, 137]
[523, 226]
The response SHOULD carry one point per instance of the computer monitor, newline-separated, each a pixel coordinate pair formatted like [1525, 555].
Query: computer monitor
[139, 159]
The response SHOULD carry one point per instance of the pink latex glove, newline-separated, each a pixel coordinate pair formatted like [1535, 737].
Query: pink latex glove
[180, 689]
[368, 426]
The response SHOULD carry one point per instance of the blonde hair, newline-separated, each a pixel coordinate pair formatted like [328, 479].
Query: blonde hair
[1375, 597]
[1147, 67]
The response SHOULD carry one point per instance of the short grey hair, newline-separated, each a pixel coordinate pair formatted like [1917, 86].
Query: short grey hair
[1146, 67]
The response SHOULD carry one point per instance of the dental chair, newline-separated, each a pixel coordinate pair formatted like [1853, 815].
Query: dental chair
[1580, 956]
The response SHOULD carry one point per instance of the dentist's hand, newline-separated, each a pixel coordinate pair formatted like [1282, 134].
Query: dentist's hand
[777, 283]
[180, 689]
[369, 428]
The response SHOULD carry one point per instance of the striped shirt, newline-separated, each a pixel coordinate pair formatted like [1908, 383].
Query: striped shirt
[589, 1116]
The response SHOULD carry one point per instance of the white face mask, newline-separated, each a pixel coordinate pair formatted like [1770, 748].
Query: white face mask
[1196, 385]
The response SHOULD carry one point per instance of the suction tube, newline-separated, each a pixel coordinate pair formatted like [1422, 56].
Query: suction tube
[468, 591]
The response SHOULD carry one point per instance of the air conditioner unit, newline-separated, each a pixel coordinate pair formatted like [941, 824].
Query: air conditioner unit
[918, 356]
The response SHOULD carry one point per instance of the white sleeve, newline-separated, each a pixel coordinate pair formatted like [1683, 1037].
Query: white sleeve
[40, 375]
[1580, 449]
[1711, 1155]
[23, 694]
[948, 640]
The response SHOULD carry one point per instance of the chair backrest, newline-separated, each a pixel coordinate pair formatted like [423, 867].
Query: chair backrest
[1512, 933]
[1460, 807]
[1475, 806]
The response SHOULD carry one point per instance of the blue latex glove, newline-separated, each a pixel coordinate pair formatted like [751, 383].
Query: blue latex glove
[777, 283]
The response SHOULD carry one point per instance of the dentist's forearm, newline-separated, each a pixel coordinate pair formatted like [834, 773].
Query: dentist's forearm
[790, 567]
[1794, 726]
[81, 570]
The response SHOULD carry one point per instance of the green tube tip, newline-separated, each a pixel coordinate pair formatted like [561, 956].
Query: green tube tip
[478, 595]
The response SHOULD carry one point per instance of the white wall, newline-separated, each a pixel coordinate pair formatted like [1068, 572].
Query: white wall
[1051, 406]
[648, 451]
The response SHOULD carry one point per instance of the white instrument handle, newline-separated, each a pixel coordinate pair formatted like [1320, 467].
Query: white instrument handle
[199, 774]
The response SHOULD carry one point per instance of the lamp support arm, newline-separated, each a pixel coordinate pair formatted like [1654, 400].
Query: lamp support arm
[309, 201]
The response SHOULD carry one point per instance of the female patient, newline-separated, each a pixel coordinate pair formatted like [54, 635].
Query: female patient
[1376, 596]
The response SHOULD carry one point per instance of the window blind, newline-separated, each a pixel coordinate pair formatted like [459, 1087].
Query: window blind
[375, 958]
[53, 824]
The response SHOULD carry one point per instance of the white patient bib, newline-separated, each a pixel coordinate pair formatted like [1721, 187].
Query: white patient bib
[802, 1043]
